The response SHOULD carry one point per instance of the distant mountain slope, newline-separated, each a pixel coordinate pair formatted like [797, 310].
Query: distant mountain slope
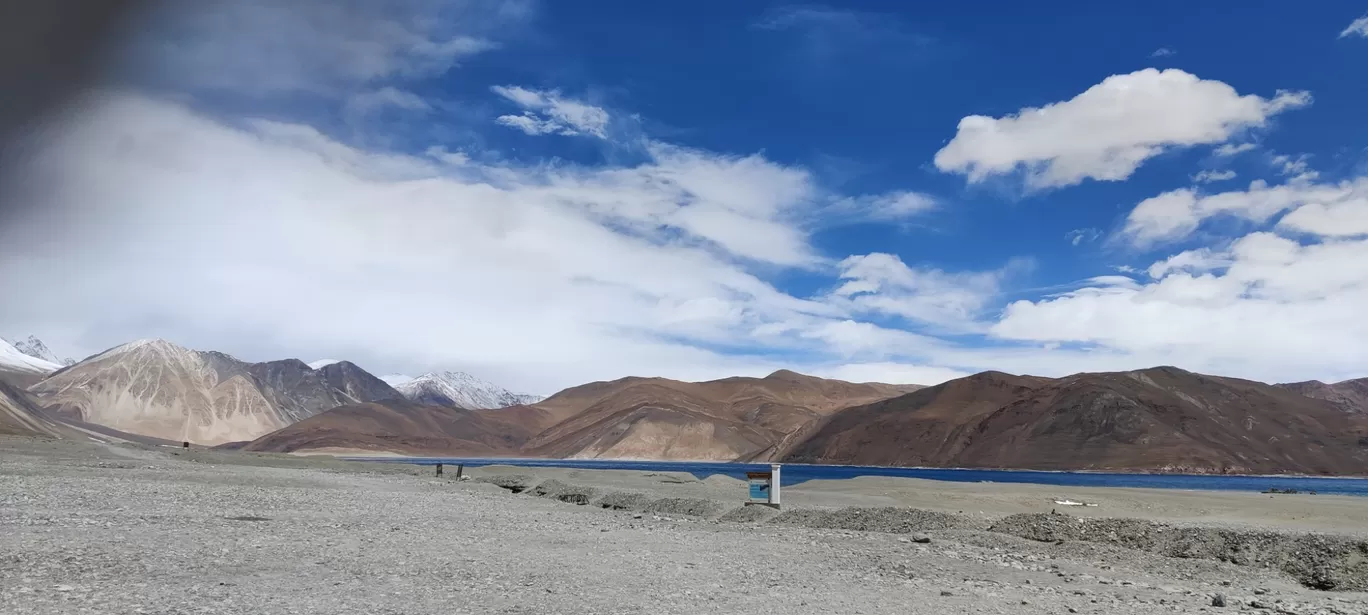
[1350, 395]
[1159, 419]
[156, 388]
[19, 415]
[460, 390]
[658, 418]
[398, 426]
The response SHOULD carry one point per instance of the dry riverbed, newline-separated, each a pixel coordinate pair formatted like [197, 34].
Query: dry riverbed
[92, 529]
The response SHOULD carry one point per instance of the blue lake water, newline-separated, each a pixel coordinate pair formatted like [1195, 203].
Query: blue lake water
[794, 473]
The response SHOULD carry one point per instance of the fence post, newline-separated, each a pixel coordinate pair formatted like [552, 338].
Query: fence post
[439, 469]
[460, 470]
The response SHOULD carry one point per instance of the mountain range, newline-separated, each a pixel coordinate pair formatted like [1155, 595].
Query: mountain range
[1161, 419]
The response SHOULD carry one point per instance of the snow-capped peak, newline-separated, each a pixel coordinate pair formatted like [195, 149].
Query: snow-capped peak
[322, 363]
[35, 348]
[460, 390]
[12, 359]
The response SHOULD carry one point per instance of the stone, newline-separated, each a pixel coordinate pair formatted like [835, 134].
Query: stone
[1218, 600]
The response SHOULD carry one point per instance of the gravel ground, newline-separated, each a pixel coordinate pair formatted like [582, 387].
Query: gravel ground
[87, 529]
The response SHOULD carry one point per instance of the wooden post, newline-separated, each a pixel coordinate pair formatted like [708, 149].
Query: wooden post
[439, 469]
[185, 445]
[460, 470]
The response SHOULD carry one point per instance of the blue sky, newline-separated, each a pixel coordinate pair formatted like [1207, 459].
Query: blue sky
[548, 193]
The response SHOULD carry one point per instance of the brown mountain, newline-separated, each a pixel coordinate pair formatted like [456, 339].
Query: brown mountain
[724, 420]
[1159, 419]
[158, 389]
[1350, 395]
[399, 426]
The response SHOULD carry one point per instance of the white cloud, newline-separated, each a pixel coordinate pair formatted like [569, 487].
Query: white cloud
[1231, 149]
[1209, 176]
[1359, 27]
[533, 125]
[270, 239]
[1297, 167]
[1108, 131]
[1163, 52]
[1266, 307]
[263, 47]
[1175, 215]
[547, 112]
[884, 284]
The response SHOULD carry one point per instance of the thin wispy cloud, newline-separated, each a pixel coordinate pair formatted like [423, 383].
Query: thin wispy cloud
[824, 36]
[1359, 27]
[1163, 52]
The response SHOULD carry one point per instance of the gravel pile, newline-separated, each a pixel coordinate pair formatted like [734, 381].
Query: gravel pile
[749, 514]
[887, 520]
[624, 500]
[1320, 562]
[562, 492]
[686, 506]
[517, 483]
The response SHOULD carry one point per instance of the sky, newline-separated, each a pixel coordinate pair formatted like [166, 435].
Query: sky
[545, 194]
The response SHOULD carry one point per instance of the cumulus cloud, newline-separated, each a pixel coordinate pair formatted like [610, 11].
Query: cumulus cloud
[1108, 131]
[1175, 215]
[1266, 307]
[547, 112]
[1359, 27]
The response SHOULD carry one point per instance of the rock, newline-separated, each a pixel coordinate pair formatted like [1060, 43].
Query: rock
[64, 588]
[921, 538]
[1218, 600]
[946, 592]
[1259, 604]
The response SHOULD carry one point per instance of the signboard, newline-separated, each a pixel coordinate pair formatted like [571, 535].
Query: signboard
[760, 486]
[764, 487]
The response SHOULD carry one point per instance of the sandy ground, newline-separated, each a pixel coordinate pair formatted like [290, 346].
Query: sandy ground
[108, 529]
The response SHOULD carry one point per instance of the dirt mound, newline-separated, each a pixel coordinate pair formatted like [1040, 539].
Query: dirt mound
[1316, 561]
[686, 506]
[517, 483]
[570, 494]
[749, 514]
[624, 500]
[887, 520]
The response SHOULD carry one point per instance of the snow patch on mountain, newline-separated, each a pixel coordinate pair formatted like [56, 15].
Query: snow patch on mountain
[460, 390]
[322, 363]
[13, 359]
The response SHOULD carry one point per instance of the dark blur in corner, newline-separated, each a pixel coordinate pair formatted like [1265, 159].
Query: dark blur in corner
[51, 51]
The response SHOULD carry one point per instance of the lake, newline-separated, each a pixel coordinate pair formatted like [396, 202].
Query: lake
[795, 473]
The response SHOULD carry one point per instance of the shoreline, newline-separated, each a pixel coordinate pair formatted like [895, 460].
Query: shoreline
[593, 463]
